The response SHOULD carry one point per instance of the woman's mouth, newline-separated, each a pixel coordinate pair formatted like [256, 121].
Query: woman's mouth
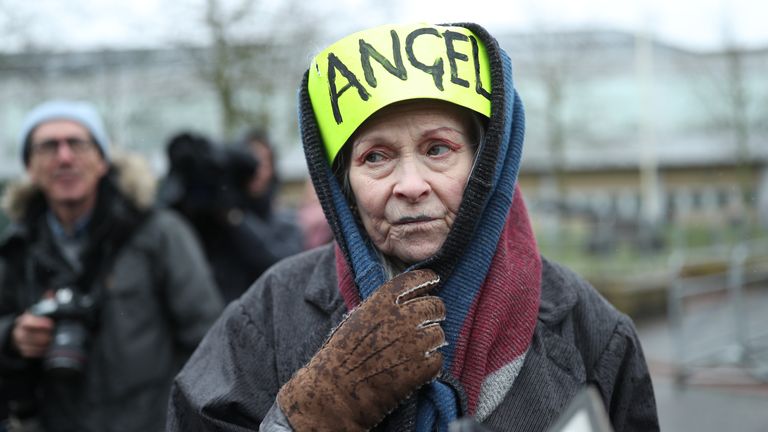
[408, 220]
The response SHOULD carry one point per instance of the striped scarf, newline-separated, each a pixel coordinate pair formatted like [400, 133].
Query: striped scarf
[488, 329]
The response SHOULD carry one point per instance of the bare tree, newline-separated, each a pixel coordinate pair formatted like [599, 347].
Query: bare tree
[257, 50]
[6, 23]
[228, 59]
[251, 56]
[15, 26]
[734, 104]
[739, 115]
[553, 62]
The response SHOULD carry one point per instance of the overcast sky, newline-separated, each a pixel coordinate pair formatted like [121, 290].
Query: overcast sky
[698, 24]
[694, 23]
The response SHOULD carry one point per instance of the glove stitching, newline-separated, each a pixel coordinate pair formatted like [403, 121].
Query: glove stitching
[435, 349]
[429, 323]
[416, 288]
[379, 372]
[374, 354]
[357, 345]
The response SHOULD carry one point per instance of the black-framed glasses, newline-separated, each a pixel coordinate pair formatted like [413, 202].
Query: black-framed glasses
[51, 146]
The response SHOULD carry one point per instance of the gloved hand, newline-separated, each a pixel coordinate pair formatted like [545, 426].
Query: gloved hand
[381, 353]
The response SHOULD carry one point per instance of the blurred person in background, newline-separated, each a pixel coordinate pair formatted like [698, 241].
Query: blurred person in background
[227, 194]
[433, 303]
[312, 220]
[283, 236]
[102, 296]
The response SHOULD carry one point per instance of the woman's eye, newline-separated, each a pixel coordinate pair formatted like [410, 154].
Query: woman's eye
[374, 157]
[437, 150]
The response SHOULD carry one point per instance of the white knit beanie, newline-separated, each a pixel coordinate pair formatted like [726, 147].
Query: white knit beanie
[77, 111]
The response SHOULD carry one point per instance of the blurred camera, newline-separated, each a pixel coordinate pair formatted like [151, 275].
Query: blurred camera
[204, 176]
[67, 354]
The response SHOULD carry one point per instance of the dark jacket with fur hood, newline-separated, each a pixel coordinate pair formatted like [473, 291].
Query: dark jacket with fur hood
[155, 299]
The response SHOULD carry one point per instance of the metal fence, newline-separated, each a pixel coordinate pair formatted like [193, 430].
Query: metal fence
[718, 309]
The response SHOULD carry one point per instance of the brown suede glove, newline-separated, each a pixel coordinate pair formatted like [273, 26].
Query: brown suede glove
[380, 354]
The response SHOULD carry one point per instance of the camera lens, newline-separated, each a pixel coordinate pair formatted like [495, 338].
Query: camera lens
[66, 355]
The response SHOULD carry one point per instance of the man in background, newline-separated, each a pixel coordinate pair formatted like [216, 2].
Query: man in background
[102, 297]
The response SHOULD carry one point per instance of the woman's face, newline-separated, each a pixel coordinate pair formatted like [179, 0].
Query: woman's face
[408, 167]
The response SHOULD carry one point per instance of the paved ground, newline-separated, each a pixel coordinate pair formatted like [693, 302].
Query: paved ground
[727, 387]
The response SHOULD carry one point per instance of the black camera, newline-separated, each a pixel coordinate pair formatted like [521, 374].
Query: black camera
[204, 176]
[67, 354]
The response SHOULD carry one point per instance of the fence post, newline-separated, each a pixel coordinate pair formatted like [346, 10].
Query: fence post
[675, 312]
[736, 268]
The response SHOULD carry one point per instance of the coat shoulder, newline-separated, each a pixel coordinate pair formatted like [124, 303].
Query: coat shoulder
[577, 312]
[309, 275]
[565, 292]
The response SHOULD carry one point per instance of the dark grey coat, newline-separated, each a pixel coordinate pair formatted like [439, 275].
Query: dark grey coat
[232, 380]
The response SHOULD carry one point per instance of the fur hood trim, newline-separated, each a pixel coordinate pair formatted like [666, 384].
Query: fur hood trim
[131, 172]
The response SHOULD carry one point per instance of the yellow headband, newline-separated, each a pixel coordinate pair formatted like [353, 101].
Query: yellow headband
[366, 71]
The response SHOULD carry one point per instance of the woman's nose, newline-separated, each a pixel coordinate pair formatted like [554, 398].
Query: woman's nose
[411, 182]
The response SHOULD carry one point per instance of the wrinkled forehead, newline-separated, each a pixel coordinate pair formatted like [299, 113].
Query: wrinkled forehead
[426, 112]
[367, 71]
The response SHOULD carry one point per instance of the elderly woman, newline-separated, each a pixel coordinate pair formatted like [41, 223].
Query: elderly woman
[433, 303]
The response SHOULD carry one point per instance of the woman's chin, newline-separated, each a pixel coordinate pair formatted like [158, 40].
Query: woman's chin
[411, 254]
